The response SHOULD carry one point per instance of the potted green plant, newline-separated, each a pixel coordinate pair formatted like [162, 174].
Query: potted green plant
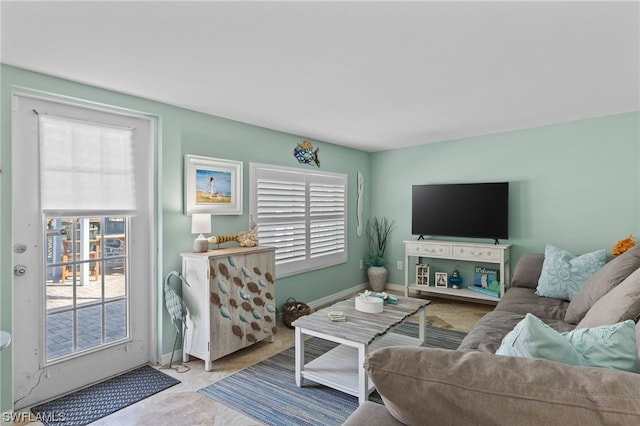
[378, 231]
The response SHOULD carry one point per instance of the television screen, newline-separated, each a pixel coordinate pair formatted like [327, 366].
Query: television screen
[471, 210]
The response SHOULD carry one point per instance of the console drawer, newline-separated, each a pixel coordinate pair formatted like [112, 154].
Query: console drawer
[430, 250]
[477, 253]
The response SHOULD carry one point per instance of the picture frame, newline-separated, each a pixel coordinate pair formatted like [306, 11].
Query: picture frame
[212, 185]
[441, 279]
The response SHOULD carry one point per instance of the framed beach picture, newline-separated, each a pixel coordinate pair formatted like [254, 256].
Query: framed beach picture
[212, 185]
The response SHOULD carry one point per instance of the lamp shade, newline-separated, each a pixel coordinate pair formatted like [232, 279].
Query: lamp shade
[201, 223]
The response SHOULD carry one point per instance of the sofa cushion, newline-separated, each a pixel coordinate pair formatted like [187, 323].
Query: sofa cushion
[600, 283]
[608, 346]
[563, 273]
[487, 334]
[523, 300]
[438, 386]
[527, 270]
[532, 338]
[619, 304]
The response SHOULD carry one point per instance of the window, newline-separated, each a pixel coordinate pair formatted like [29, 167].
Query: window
[300, 213]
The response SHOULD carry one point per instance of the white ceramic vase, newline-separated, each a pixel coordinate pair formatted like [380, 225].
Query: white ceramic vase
[377, 277]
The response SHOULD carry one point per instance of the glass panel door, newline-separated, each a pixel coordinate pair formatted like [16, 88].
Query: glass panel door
[86, 284]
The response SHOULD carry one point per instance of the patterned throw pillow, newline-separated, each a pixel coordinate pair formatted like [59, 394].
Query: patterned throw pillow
[609, 346]
[532, 338]
[563, 273]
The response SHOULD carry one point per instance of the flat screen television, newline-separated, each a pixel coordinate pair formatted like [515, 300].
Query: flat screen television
[468, 210]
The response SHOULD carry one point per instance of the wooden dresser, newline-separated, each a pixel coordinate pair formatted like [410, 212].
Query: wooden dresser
[230, 300]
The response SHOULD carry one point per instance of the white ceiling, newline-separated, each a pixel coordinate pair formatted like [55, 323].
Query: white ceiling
[368, 75]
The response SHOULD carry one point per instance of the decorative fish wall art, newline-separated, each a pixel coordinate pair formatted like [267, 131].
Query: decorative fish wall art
[305, 154]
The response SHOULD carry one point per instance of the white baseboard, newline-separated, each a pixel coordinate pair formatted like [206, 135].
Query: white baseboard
[166, 358]
[336, 296]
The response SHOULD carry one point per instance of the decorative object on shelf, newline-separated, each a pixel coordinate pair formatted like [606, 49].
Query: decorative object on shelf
[366, 303]
[386, 298]
[493, 289]
[305, 153]
[455, 280]
[624, 245]
[422, 274]
[359, 204]
[200, 224]
[212, 185]
[378, 231]
[292, 310]
[441, 279]
[337, 316]
[484, 276]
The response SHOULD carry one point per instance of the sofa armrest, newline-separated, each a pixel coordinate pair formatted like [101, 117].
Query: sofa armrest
[438, 386]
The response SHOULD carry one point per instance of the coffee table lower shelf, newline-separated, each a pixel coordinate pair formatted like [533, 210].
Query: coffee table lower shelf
[339, 368]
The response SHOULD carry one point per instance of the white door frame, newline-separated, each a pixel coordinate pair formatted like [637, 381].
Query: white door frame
[153, 210]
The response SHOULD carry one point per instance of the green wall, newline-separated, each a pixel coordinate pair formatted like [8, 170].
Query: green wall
[181, 132]
[575, 185]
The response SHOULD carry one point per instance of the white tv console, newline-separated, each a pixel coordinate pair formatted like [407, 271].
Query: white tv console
[461, 251]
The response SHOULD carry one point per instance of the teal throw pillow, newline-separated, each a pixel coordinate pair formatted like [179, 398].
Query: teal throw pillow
[612, 346]
[532, 338]
[609, 346]
[564, 274]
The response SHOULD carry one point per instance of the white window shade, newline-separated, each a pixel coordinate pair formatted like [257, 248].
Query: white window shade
[300, 213]
[85, 168]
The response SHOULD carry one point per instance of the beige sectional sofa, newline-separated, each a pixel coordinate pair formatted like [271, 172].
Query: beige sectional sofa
[473, 386]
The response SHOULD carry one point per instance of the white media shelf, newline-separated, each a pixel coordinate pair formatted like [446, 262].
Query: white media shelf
[460, 251]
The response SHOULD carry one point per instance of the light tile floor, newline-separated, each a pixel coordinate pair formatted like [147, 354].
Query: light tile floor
[183, 405]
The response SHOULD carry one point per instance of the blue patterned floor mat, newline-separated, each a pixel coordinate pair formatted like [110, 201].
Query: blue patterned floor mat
[92, 403]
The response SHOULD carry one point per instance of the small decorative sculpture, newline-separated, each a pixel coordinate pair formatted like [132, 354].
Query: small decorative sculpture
[455, 280]
[245, 238]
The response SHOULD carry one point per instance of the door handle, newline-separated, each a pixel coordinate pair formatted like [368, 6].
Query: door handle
[19, 270]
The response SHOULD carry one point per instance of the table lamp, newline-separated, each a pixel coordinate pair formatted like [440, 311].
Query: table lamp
[200, 224]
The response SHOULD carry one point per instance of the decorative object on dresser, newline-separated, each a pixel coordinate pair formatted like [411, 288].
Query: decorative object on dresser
[200, 224]
[459, 251]
[230, 301]
[378, 231]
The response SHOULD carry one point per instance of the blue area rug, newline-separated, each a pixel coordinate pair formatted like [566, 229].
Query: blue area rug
[267, 391]
[92, 403]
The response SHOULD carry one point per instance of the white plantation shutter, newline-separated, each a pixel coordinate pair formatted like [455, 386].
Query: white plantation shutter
[326, 216]
[85, 167]
[300, 213]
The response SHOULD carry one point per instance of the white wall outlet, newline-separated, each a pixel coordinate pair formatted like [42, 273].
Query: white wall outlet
[399, 264]
[361, 263]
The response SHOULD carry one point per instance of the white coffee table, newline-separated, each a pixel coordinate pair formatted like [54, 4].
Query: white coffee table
[342, 367]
